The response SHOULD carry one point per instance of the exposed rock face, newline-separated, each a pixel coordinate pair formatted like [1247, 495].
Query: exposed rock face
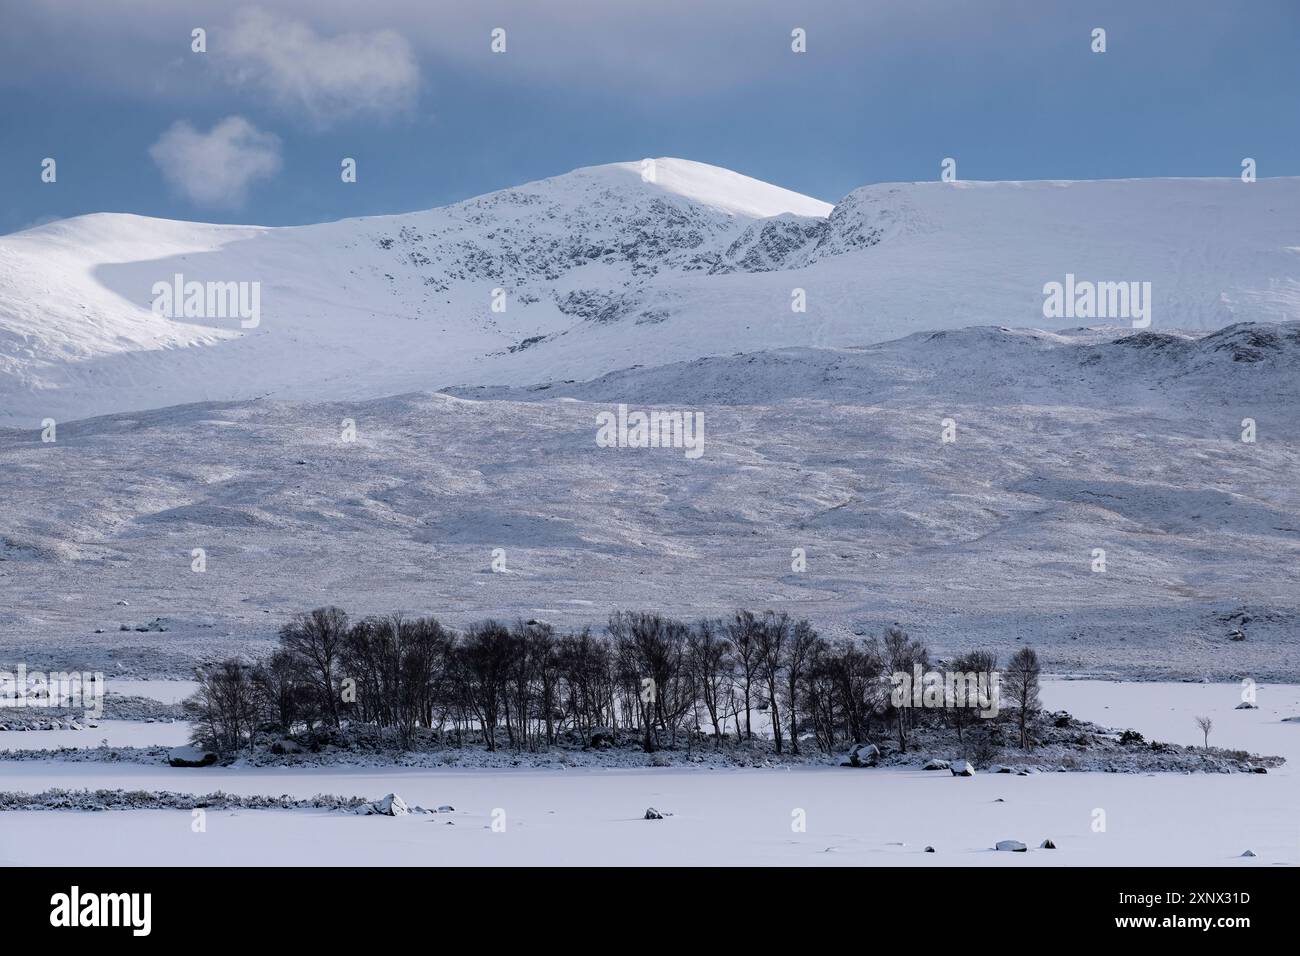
[862, 755]
[390, 805]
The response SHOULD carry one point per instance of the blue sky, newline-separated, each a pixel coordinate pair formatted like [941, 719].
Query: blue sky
[254, 129]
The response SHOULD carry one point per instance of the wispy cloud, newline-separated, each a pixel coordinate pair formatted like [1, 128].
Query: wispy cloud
[327, 78]
[216, 168]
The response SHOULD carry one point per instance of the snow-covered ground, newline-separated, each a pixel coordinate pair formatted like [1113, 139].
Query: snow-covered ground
[1064, 444]
[166, 691]
[854, 817]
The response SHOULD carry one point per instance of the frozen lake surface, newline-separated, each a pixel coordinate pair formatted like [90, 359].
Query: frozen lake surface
[117, 733]
[854, 817]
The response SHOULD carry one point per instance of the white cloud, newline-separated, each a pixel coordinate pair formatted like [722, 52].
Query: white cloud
[328, 78]
[313, 56]
[216, 168]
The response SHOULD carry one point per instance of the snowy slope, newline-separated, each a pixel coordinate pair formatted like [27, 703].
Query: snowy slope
[1064, 443]
[1247, 366]
[601, 270]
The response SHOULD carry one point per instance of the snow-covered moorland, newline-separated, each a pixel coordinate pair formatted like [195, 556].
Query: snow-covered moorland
[1064, 443]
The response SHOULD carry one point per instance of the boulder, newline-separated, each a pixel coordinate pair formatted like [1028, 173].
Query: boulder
[862, 755]
[962, 769]
[446, 808]
[1248, 853]
[190, 757]
[936, 764]
[1246, 705]
[1011, 846]
[1047, 845]
[929, 849]
[390, 805]
[652, 814]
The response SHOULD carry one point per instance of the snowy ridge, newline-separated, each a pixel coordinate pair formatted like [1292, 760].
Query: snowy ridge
[1247, 365]
[602, 269]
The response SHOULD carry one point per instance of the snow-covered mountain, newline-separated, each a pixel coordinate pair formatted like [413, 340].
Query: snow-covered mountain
[606, 268]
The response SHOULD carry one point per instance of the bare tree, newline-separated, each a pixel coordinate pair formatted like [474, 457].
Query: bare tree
[317, 638]
[587, 683]
[426, 669]
[1022, 687]
[904, 656]
[544, 649]
[484, 668]
[773, 634]
[1205, 725]
[226, 707]
[280, 681]
[520, 685]
[708, 656]
[652, 661]
[799, 651]
[855, 670]
[819, 694]
[743, 631]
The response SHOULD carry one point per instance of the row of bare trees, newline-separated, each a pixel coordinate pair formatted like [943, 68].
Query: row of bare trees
[524, 685]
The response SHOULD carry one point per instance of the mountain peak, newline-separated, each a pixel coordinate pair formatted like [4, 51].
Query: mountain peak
[721, 189]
